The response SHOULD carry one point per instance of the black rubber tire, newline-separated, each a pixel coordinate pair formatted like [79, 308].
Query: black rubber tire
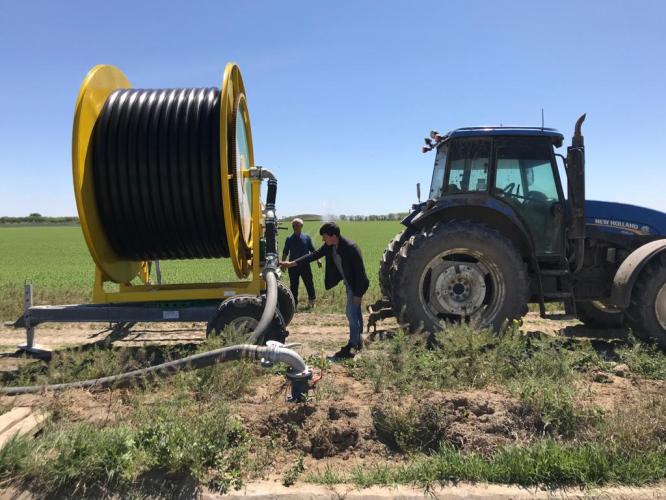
[246, 306]
[495, 249]
[386, 262]
[286, 303]
[595, 317]
[641, 312]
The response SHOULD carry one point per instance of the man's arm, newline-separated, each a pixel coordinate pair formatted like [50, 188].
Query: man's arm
[317, 254]
[285, 250]
[312, 249]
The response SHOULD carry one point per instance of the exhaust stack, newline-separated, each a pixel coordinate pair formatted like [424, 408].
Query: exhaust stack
[576, 191]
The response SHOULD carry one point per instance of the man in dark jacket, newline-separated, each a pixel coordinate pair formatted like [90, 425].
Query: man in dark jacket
[295, 246]
[344, 262]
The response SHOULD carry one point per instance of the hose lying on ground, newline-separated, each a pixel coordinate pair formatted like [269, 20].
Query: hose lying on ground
[272, 354]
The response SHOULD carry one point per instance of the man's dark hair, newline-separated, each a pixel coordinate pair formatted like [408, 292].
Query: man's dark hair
[330, 229]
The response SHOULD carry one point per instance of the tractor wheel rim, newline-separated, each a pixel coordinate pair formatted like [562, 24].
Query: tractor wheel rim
[461, 284]
[660, 307]
[460, 288]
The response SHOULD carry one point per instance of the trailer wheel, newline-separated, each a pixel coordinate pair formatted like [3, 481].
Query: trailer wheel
[386, 262]
[286, 302]
[595, 314]
[647, 310]
[243, 313]
[459, 272]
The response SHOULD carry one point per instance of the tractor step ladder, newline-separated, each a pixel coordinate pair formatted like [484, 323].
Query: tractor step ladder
[564, 292]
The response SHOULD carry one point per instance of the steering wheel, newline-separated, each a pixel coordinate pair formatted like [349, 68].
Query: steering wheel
[508, 189]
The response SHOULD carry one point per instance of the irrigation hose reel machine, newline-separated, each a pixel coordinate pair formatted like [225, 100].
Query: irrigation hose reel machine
[162, 174]
[165, 174]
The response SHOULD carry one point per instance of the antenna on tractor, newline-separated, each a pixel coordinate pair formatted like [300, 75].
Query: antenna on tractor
[541, 119]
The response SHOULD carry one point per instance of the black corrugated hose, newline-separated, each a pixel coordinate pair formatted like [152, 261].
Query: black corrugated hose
[156, 172]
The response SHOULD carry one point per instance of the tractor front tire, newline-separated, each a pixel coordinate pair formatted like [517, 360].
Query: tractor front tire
[459, 272]
[242, 313]
[386, 262]
[647, 310]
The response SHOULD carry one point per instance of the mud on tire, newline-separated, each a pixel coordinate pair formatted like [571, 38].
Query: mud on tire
[458, 271]
[647, 310]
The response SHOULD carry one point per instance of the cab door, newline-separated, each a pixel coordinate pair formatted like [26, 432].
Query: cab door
[525, 177]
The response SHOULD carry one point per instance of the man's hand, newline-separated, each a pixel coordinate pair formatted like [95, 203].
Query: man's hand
[285, 264]
[357, 300]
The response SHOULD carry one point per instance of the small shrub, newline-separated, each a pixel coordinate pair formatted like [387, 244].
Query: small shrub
[292, 474]
[553, 404]
[410, 428]
[645, 360]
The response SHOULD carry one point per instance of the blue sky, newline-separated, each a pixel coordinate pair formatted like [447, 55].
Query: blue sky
[342, 93]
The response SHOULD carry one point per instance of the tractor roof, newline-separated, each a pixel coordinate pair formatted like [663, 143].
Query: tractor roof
[555, 137]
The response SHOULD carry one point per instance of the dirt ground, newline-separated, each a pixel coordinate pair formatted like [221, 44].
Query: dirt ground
[335, 428]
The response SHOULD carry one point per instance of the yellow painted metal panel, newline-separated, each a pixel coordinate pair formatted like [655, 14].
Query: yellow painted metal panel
[233, 92]
[100, 82]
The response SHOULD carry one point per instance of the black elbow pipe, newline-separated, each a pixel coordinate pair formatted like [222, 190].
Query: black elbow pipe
[271, 239]
[271, 194]
[271, 219]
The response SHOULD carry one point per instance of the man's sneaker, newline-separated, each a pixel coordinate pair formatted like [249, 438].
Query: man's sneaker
[344, 353]
[311, 303]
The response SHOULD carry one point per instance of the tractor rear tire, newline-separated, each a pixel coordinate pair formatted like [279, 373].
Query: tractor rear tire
[243, 313]
[386, 262]
[480, 278]
[647, 310]
[286, 303]
[597, 315]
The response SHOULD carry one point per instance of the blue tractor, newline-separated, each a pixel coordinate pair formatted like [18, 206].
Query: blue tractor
[497, 232]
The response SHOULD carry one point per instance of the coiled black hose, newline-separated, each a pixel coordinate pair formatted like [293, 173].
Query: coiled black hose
[156, 172]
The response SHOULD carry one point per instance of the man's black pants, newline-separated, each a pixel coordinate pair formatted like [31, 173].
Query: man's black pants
[304, 272]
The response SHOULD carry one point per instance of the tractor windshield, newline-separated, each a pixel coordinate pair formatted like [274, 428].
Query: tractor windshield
[437, 184]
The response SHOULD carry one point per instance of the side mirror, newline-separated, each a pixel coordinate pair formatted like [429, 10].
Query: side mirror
[418, 191]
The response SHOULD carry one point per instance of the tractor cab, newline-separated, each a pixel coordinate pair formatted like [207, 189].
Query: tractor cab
[516, 168]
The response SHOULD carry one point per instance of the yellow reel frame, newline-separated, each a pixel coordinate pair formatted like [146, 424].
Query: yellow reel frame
[243, 226]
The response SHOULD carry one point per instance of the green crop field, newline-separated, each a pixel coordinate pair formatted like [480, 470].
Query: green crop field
[56, 261]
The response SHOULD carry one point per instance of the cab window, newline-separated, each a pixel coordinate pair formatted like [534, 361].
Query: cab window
[525, 179]
[468, 166]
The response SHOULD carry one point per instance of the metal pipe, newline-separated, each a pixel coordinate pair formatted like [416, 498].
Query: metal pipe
[273, 353]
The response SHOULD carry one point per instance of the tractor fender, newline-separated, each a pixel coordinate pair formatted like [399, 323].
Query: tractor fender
[630, 269]
[488, 211]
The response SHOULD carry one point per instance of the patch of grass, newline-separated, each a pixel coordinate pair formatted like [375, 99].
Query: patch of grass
[466, 358]
[176, 440]
[554, 404]
[636, 427]
[546, 463]
[540, 372]
[643, 359]
[292, 474]
[410, 428]
[209, 445]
